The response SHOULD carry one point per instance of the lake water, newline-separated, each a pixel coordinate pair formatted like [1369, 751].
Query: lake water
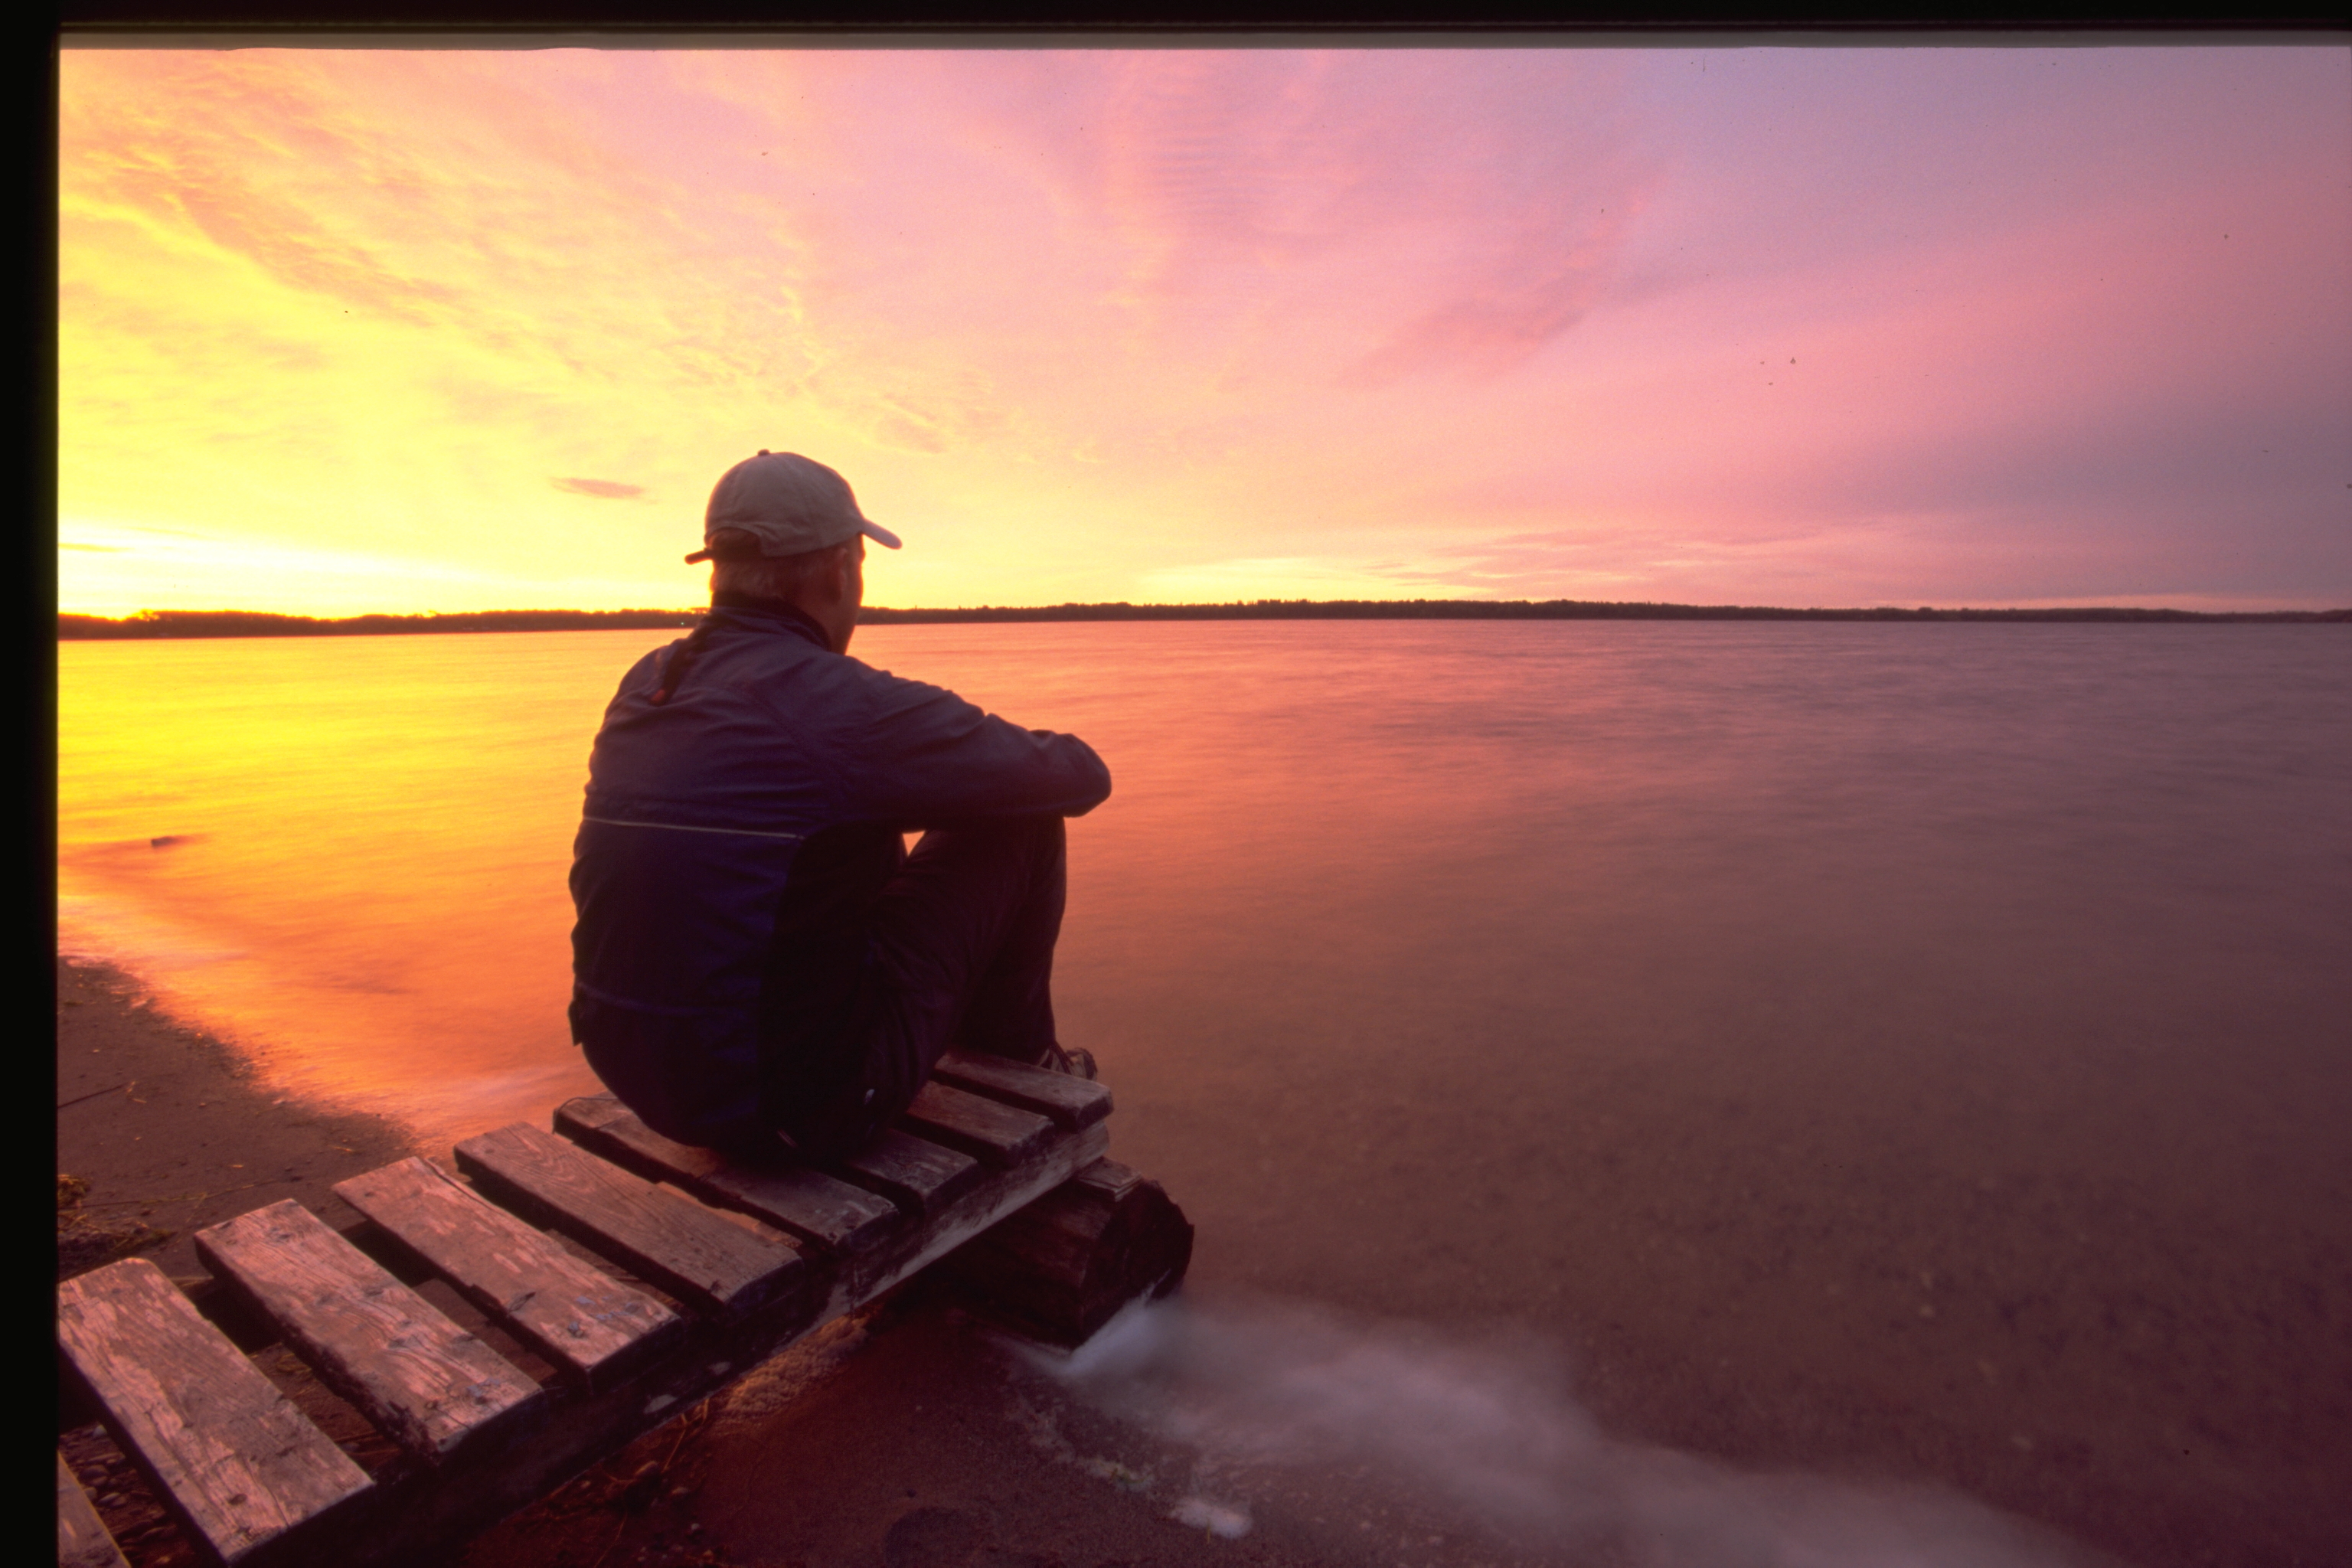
[1916, 1051]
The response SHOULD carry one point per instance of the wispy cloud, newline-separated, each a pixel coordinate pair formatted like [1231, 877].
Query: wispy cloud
[609, 490]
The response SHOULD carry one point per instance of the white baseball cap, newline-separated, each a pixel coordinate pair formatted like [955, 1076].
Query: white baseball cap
[790, 504]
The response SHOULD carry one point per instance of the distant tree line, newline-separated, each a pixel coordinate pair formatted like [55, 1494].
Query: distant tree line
[1546, 610]
[259, 623]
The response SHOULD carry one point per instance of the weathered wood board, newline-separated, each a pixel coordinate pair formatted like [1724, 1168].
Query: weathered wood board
[591, 1325]
[655, 1233]
[426, 1384]
[809, 1204]
[82, 1540]
[1071, 1103]
[245, 1473]
[917, 1174]
[997, 1135]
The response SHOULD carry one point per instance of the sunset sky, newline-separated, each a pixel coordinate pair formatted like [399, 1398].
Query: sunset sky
[407, 331]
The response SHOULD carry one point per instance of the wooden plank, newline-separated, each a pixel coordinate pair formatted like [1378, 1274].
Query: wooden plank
[82, 1540]
[915, 1173]
[245, 1473]
[656, 1233]
[594, 1327]
[1001, 1135]
[1071, 1103]
[819, 1208]
[426, 1384]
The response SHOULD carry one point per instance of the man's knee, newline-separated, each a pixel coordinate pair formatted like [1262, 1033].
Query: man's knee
[982, 868]
[1043, 835]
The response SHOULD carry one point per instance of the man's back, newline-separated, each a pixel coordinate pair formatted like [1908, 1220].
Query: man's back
[773, 774]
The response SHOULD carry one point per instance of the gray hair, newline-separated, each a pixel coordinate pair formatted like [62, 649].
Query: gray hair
[764, 576]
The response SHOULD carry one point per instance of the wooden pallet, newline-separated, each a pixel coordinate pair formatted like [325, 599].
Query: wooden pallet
[700, 1270]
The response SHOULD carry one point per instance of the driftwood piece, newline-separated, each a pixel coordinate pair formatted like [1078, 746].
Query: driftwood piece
[1070, 1103]
[917, 1174]
[655, 1233]
[244, 1472]
[429, 1385]
[809, 1204]
[82, 1540]
[998, 1134]
[1058, 1269]
[593, 1326]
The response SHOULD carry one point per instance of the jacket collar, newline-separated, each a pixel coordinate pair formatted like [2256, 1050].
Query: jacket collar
[755, 613]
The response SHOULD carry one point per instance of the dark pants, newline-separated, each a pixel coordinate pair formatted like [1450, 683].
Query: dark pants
[955, 951]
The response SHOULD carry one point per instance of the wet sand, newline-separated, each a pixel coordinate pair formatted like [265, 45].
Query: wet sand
[164, 1130]
[173, 1132]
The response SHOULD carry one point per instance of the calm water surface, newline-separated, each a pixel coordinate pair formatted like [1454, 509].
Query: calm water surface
[1918, 1050]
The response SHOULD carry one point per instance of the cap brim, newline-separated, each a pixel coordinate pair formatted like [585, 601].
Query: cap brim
[873, 530]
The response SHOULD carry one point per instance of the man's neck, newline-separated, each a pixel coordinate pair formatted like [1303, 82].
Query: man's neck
[729, 599]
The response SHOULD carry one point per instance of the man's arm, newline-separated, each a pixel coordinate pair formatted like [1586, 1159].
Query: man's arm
[926, 755]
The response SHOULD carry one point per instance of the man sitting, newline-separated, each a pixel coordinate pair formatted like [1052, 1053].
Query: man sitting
[759, 965]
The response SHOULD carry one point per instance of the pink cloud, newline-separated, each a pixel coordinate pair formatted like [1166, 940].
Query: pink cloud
[1541, 285]
[264, 128]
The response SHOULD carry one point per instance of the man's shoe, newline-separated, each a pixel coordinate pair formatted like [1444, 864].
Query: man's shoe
[1077, 1063]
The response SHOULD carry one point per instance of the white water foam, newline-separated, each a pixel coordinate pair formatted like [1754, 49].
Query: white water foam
[1495, 1437]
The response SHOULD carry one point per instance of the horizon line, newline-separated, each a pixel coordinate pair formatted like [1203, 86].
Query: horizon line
[149, 623]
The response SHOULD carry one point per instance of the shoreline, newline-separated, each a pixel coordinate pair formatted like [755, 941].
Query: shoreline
[169, 1128]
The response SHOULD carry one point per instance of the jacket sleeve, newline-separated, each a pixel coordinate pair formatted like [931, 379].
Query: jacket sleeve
[922, 755]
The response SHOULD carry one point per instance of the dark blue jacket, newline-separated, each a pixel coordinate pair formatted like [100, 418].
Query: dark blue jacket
[698, 806]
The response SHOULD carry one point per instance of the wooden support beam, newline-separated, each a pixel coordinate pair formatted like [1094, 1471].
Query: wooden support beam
[244, 1472]
[82, 1540]
[593, 1326]
[809, 1204]
[655, 1233]
[427, 1384]
[1058, 1269]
